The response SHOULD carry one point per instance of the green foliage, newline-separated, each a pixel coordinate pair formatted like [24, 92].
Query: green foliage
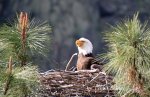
[37, 36]
[23, 82]
[129, 57]
[21, 40]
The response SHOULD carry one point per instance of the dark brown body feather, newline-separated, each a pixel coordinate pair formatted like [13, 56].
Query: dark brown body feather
[87, 62]
[84, 62]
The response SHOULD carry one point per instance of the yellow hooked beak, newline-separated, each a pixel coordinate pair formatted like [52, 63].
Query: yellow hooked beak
[79, 43]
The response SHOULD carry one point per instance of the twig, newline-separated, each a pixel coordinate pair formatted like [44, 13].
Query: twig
[97, 76]
[67, 67]
[9, 72]
[107, 86]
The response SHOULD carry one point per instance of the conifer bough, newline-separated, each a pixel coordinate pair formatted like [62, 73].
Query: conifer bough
[129, 57]
[25, 38]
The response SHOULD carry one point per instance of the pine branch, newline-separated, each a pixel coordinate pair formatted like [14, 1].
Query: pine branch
[129, 55]
[9, 76]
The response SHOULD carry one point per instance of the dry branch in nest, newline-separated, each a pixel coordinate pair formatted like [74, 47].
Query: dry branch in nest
[76, 83]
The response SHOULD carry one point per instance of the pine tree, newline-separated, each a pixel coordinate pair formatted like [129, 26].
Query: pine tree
[129, 57]
[21, 40]
[24, 38]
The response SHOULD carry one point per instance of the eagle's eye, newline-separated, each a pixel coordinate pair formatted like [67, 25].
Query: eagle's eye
[79, 43]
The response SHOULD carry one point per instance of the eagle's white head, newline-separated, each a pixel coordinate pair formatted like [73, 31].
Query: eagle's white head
[84, 46]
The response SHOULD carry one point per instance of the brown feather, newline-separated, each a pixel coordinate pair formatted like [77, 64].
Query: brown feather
[88, 62]
[84, 62]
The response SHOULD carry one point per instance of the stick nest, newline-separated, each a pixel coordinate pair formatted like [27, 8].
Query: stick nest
[76, 83]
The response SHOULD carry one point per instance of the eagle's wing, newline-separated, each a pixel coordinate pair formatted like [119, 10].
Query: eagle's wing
[97, 60]
[88, 62]
[84, 62]
[97, 64]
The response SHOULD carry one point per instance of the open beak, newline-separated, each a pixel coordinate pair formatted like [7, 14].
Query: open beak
[79, 43]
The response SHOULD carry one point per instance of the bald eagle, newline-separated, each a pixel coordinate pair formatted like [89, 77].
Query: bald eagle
[85, 59]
